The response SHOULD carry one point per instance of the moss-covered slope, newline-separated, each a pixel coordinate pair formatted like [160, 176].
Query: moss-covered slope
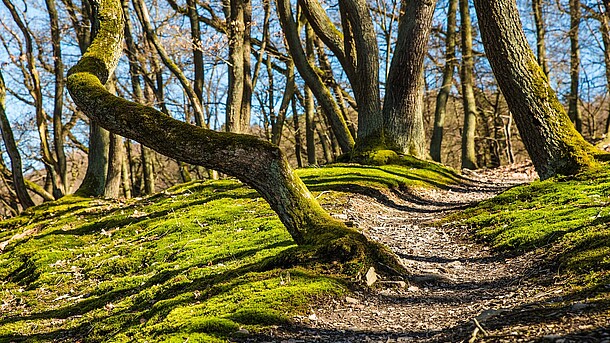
[567, 219]
[196, 261]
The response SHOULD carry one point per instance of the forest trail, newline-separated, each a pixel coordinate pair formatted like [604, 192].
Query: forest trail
[461, 289]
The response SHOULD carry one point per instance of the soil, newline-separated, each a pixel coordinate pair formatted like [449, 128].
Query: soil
[460, 291]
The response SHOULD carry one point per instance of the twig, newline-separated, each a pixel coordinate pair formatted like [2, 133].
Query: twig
[476, 322]
[319, 195]
[473, 338]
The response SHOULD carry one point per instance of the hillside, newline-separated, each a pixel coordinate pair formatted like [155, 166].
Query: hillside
[203, 261]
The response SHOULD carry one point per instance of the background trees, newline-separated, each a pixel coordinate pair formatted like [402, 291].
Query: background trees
[311, 76]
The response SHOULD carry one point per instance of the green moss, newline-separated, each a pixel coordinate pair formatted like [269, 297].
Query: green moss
[577, 155]
[569, 218]
[198, 261]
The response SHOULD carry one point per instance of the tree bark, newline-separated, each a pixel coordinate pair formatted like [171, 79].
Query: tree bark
[298, 146]
[13, 153]
[363, 54]
[94, 181]
[403, 102]
[240, 82]
[116, 154]
[552, 142]
[198, 68]
[443, 94]
[469, 156]
[605, 29]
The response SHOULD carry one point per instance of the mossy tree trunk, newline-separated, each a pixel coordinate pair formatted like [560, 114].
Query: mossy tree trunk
[443, 94]
[469, 155]
[255, 162]
[403, 102]
[553, 144]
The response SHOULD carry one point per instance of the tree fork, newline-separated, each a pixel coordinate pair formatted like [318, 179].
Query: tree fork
[255, 162]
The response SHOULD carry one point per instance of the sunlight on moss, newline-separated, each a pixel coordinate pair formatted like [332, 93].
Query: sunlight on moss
[568, 215]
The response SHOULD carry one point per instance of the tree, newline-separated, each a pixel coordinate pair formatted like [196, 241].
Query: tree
[540, 35]
[11, 147]
[238, 14]
[255, 162]
[574, 97]
[399, 124]
[469, 156]
[443, 94]
[552, 142]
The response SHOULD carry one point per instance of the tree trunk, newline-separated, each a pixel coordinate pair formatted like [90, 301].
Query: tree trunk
[198, 67]
[313, 80]
[36, 93]
[605, 29]
[540, 35]
[553, 144]
[298, 146]
[58, 132]
[403, 103]
[444, 92]
[469, 156]
[574, 111]
[240, 83]
[94, 181]
[126, 176]
[13, 153]
[310, 125]
[255, 162]
[361, 48]
[148, 170]
[115, 166]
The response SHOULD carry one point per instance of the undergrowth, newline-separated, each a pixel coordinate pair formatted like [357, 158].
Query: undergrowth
[193, 262]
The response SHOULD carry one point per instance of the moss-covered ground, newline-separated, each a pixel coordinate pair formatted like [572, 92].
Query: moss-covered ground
[566, 220]
[195, 261]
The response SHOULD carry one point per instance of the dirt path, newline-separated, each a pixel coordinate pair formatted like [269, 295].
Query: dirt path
[459, 284]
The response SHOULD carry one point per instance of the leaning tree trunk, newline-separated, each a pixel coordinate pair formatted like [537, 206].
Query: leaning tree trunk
[552, 142]
[403, 105]
[13, 153]
[469, 155]
[443, 94]
[255, 162]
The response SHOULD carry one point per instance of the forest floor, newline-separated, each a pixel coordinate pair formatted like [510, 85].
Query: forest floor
[461, 290]
[493, 257]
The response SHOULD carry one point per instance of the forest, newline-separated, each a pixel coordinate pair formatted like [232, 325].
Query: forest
[305, 171]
